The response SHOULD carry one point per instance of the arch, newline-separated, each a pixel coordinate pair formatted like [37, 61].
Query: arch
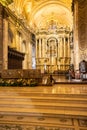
[51, 38]
[46, 3]
[47, 9]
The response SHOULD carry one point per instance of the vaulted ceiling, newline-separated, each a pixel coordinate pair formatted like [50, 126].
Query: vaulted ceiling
[39, 13]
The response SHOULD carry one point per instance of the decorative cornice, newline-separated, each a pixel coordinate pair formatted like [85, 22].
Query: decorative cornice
[17, 20]
[6, 2]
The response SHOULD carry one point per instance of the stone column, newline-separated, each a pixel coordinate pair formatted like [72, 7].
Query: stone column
[27, 54]
[24, 51]
[17, 41]
[5, 44]
[1, 38]
[14, 39]
[30, 55]
[76, 40]
[20, 40]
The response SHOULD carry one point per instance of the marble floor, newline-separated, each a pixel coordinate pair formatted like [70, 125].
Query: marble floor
[57, 107]
[62, 79]
[54, 89]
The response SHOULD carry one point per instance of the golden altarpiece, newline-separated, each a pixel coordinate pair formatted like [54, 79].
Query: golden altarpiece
[53, 48]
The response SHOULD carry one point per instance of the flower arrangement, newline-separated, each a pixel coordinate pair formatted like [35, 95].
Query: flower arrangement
[18, 82]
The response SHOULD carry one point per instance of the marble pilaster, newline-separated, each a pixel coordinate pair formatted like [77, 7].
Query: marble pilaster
[5, 44]
[1, 38]
[30, 55]
[76, 42]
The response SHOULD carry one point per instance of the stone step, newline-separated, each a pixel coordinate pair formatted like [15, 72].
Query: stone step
[39, 102]
[48, 104]
[41, 111]
[43, 97]
[40, 94]
[43, 105]
[33, 99]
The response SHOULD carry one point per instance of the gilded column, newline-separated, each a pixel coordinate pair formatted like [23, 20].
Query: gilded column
[43, 47]
[36, 47]
[68, 48]
[39, 47]
[57, 56]
[46, 48]
[61, 47]
[58, 60]
[63, 53]
[64, 48]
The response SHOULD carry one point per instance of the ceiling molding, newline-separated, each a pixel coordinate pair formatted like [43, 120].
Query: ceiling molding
[6, 2]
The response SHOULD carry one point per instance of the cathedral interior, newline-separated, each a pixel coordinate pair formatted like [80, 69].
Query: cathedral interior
[42, 32]
[39, 38]
[43, 35]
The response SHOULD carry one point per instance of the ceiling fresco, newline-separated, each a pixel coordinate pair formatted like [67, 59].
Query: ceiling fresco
[38, 13]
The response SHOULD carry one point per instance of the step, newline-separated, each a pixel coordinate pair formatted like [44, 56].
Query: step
[33, 99]
[42, 104]
[43, 97]
[14, 100]
[39, 111]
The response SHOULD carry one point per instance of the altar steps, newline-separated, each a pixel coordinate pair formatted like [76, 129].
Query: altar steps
[28, 102]
[42, 108]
